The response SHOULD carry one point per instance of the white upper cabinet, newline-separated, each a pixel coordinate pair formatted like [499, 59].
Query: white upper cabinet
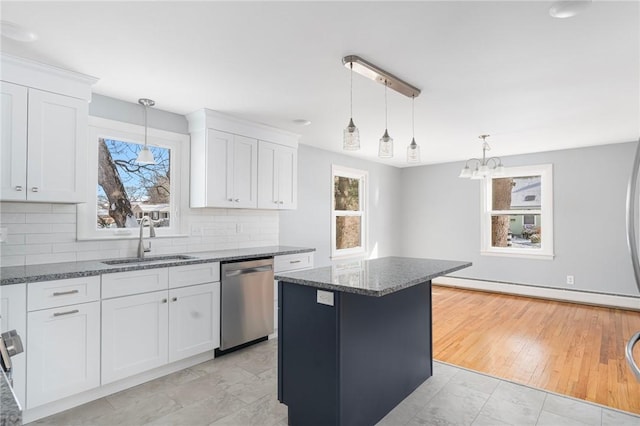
[44, 126]
[227, 168]
[277, 176]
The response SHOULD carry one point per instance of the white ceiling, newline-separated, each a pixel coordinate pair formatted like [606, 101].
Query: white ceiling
[505, 68]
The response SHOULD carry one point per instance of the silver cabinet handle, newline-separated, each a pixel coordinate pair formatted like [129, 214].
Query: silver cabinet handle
[236, 200]
[295, 261]
[19, 188]
[164, 300]
[629, 354]
[59, 314]
[229, 199]
[280, 202]
[65, 293]
[34, 189]
[174, 299]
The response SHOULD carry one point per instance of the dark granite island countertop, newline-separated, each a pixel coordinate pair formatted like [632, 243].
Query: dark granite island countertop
[376, 277]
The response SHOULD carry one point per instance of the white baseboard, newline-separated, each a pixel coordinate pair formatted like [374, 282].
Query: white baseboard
[598, 299]
[60, 405]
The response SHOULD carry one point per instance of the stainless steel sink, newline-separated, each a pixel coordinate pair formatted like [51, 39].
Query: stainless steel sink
[147, 259]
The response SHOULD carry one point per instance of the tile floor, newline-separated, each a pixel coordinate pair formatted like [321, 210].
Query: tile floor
[240, 389]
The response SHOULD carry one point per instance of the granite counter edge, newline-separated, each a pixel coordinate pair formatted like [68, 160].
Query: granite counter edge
[109, 269]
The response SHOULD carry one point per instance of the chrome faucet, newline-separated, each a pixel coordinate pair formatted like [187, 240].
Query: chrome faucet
[152, 233]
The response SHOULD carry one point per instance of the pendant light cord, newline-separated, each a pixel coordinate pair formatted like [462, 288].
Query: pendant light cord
[413, 116]
[351, 94]
[145, 125]
[385, 105]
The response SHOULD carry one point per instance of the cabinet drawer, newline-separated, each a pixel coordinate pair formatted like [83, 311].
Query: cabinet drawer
[291, 262]
[52, 294]
[134, 282]
[181, 276]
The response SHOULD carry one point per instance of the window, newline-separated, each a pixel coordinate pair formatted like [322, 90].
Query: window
[517, 215]
[348, 219]
[122, 192]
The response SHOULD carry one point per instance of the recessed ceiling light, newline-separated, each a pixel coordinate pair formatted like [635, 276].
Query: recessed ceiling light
[568, 8]
[17, 32]
[301, 122]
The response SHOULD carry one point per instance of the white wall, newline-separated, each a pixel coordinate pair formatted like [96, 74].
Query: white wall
[441, 219]
[310, 224]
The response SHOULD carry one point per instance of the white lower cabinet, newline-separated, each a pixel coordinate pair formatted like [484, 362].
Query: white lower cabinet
[134, 334]
[64, 352]
[194, 320]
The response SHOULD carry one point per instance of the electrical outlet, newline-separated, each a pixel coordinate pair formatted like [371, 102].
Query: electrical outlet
[3, 234]
[238, 228]
[324, 297]
[570, 280]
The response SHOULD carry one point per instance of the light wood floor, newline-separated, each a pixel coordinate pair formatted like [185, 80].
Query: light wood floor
[567, 348]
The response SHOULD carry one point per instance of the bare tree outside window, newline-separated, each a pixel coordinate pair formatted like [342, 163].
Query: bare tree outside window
[127, 191]
[348, 220]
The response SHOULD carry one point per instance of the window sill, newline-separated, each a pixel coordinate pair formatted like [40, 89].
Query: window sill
[527, 255]
[132, 236]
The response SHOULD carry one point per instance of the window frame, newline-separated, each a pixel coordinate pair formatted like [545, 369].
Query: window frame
[546, 251]
[110, 129]
[363, 177]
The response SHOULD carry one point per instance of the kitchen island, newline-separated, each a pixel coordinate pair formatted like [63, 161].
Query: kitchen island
[355, 338]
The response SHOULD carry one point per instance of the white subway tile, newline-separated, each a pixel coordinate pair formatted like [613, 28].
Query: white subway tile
[6, 218]
[33, 228]
[25, 207]
[14, 239]
[50, 238]
[98, 254]
[12, 260]
[51, 218]
[63, 227]
[63, 208]
[34, 259]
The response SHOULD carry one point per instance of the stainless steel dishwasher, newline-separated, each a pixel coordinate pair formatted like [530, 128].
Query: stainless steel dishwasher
[247, 302]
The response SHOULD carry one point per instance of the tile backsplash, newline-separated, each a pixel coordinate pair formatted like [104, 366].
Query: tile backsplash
[46, 233]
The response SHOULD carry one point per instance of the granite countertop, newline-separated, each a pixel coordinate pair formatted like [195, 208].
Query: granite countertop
[11, 413]
[376, 277]
[59, 271]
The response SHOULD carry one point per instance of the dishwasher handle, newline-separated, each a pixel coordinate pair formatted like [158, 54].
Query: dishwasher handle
[237, 272]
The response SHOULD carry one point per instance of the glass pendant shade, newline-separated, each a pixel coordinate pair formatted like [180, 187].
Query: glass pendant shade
[145, 156]
[476, 174]
[498, 171]
[413, 152]
[385, 148]
[351, 138]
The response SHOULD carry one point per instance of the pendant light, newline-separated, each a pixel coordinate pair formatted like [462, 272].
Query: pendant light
[145, 156]
[351, 138]
[413, 150]
[484, 166]
[385, 147]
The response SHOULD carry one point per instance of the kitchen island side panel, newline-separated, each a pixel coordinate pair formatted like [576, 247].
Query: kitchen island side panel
[385, 351]
[307, 356]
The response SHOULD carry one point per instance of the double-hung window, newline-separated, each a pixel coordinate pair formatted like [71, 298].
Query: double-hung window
[517, 212]
[121, 191]
[348, 212]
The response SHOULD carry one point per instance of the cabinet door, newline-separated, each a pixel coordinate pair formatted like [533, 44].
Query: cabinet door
[56, 153]
[13, 316]
[267, 184]
[219, 166]
[134, 334]
[287, 177]
[13, 145]
[64, 352]
[194, 320]
[245, 172]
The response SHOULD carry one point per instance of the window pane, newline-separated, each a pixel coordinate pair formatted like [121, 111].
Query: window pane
[516, 193]
[127, 191]
[519, 230]
[346, 193]
[348, 232]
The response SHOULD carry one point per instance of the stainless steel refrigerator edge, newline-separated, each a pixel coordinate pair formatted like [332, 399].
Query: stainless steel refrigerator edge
[632, 217]
[247, 302]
